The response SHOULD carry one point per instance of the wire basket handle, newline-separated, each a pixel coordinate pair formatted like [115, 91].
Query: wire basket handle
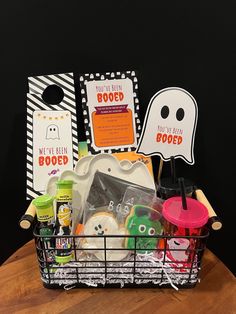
[27, 219]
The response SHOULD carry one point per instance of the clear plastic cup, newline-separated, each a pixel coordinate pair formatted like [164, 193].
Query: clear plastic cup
[182, 225]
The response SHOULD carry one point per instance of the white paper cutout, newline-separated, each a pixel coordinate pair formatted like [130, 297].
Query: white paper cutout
[52, 145]
[170, 125]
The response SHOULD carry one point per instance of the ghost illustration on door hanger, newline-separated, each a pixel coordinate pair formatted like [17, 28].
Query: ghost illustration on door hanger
[170, 125]
[52, 132]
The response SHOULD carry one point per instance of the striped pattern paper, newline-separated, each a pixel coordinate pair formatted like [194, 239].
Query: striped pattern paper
[37, 85]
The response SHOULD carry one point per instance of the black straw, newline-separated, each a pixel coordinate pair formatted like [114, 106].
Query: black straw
[173, 172]
[182, 190]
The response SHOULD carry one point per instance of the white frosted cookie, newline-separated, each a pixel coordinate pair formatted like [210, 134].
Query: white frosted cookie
[101, 224]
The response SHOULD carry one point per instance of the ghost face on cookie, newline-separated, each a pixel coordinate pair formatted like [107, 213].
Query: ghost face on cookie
[104, 224]
[101, 224]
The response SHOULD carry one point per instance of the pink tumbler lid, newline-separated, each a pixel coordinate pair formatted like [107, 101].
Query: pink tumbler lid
[195, 216]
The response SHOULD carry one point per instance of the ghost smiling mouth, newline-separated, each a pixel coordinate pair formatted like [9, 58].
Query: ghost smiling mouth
[99, 231]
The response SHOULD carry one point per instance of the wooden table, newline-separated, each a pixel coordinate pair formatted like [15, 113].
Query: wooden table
[21, 291]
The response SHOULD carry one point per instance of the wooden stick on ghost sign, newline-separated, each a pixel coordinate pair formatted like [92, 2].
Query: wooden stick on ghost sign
[160, 171]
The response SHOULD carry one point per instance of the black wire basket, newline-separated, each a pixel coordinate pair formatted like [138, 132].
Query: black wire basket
[140, 268]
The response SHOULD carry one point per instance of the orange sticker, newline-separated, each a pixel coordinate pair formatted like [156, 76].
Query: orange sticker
[115, 129]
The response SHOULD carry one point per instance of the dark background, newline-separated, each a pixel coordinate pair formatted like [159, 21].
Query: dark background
[170, 43]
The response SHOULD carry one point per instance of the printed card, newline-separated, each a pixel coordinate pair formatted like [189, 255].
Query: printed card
[111, 111]
[52, 143]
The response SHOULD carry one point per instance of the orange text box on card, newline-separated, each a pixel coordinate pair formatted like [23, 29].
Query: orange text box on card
[115, 129]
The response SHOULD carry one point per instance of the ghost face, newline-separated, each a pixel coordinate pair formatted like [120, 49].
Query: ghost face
[52, 132]
[101, 225]
[169, 126]
[104, 224]
[178, 244]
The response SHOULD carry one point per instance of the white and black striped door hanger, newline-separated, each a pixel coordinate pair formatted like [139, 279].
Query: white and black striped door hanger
[47, 126]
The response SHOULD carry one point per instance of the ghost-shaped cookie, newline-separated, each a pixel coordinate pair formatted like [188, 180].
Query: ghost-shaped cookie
[169, 125]
[100, 225]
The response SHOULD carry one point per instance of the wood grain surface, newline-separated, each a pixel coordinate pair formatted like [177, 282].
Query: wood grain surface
[21, 291]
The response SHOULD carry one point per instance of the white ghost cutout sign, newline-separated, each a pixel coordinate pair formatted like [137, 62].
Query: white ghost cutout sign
[170, 125]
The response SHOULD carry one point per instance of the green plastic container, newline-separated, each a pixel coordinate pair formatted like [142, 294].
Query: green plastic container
[44, 207]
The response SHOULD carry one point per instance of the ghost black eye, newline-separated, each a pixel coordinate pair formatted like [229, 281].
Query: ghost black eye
[96, 228]
[100, 226]
[180, 114]
[165, 112]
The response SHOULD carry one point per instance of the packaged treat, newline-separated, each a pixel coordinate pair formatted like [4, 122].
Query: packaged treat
[45, 214]
[100, 229]
[108, 192]
[46, 222]
[136, 196]
[143, 222]
[102, 216]
[64, 220]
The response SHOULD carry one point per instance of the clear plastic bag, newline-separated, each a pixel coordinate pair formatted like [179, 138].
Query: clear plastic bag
[141, 213]
[102, 217]
[107, 193]
[134, 196]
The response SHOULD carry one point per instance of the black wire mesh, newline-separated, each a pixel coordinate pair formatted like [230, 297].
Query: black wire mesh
[154, 268]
